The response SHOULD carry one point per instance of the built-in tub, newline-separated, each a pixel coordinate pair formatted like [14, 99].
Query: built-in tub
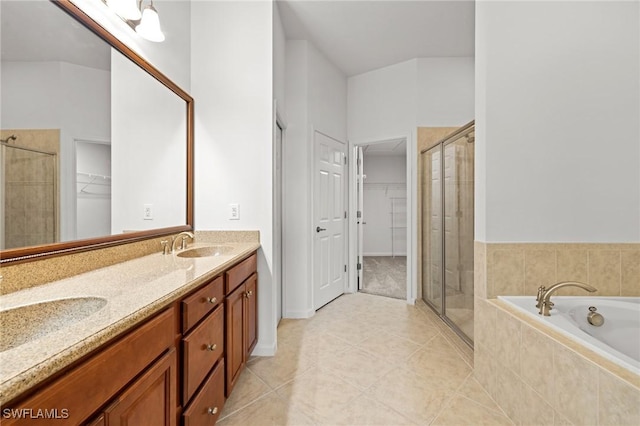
[618, 339]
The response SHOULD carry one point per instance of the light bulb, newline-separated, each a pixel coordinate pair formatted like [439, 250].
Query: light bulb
[149, 27]
[127, 9]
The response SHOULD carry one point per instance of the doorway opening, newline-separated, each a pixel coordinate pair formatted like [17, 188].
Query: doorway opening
[382, 218]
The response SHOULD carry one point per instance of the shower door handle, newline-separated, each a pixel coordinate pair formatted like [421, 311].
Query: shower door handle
[318, 229]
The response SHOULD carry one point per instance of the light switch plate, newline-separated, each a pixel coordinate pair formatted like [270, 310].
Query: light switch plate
[234, 211]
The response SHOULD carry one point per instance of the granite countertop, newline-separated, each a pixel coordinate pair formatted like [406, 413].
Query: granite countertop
[133, 291]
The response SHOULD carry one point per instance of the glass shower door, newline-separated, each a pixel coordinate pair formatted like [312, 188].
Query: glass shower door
[432, 228]
[458, 231]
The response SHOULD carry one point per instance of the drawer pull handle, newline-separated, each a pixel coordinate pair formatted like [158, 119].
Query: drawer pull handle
[212, 300]
[213, 410]
[211, 347]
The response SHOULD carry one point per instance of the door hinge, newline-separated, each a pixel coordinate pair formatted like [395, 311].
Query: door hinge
[345, 159]
[359, 266]
[345, 268]
[358, 214]
[345, 214]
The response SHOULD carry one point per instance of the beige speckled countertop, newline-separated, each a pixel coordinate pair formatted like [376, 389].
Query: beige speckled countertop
[133, 290]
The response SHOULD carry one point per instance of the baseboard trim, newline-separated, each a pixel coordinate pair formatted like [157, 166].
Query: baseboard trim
[268, 349]
[300, 314]
[385, 254]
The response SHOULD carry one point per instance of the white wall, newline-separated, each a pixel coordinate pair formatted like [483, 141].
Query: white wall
[316, 99]
[558, 121]
[386, 179]
[279, 63]
[382, 103]
[150, 142]
[232, 83]
[31, 94]
[445, 92]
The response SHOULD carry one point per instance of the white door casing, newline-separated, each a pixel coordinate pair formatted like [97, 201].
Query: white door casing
[329, 255]
[360, 215]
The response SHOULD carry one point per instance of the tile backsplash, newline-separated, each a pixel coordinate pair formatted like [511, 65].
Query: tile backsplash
[517, 269]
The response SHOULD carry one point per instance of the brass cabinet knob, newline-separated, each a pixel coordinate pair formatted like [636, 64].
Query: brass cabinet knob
[212, 300]
[211, 347]
[213, 410]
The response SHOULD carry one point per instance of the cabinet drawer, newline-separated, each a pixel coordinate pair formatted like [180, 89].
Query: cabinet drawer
[202, 347]
[200, 303]
[240, 272]
[207, 404]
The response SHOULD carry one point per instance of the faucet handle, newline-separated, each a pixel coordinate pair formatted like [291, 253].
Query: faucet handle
[541, 291]
[166, 247]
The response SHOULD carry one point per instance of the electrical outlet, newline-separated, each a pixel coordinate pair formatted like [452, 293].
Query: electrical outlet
[148, 212]
[234, 211]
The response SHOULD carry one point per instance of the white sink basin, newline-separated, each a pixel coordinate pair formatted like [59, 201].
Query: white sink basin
[208, 251]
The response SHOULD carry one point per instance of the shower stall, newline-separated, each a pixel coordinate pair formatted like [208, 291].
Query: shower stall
[447, 171]
[28, 195]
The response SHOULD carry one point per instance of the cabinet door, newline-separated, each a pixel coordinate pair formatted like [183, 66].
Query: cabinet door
[234, 344]
[150, 400]
[208, 402]
[251, 315]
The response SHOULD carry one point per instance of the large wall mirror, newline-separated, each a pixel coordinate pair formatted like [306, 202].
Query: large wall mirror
[96, 144]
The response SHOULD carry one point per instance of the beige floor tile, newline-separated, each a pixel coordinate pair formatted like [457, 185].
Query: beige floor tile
[389, 347]
[318, 393]
[416, 398]
[269, 410]
[280, 368]
[367, 412]
[471, 389]
[247, 389]
[445, 369]
[462, 411]
[358, 367]
[417, 331]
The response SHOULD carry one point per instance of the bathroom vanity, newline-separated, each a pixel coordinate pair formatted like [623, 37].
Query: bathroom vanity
[171, 358]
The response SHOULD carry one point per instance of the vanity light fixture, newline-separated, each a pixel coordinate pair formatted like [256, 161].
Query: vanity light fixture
[149, 26]
[145, 21]
[126, 9]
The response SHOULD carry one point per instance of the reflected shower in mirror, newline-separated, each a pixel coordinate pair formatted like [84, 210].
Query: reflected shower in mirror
[92, 144]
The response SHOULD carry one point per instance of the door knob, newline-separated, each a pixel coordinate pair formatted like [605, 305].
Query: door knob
[318, 229]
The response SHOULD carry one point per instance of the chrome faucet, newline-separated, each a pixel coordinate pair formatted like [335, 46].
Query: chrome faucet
[183, 240]
[544, 294]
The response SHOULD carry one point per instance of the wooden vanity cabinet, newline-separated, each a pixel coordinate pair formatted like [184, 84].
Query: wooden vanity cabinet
[242, 318]
[137, 371]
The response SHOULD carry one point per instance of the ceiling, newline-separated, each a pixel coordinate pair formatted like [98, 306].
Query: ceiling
[390, 148]
[360, 36]
[40, 31]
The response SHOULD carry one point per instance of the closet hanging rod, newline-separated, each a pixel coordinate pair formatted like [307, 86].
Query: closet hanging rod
[94, 175]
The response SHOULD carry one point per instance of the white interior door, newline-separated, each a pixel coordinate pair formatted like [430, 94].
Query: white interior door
[360, 215]
[329, 261]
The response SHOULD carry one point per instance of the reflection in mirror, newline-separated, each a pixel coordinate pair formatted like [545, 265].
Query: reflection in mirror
[92, 144]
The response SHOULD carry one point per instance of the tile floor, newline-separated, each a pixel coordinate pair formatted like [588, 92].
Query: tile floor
[385, 276]
[363, 360]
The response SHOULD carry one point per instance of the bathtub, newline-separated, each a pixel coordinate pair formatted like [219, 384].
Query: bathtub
[618, 339]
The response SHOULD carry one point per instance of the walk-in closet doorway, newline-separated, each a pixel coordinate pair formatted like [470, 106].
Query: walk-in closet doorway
[382, 218]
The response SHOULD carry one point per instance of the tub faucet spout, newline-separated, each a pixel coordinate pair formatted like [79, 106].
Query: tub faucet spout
[545, 304]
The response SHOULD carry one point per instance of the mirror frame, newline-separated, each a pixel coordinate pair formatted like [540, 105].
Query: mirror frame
[26, 254]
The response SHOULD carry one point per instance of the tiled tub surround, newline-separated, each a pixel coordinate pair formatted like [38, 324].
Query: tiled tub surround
[134, 290]
[537, 375]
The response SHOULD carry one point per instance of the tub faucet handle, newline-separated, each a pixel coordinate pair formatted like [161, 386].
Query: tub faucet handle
[541, 291]
[594, 318]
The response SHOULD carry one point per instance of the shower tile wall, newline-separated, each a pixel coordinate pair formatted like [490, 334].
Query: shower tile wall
[31, 188]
